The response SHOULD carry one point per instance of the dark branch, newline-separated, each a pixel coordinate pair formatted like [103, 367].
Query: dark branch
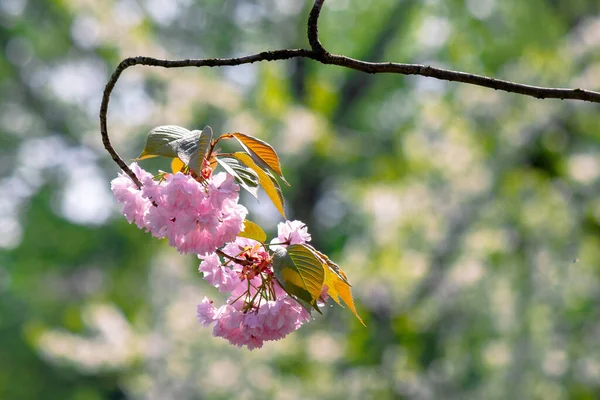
[319, 54]
[154, 62]
[235, 260]
[456, 76]
[313, 29]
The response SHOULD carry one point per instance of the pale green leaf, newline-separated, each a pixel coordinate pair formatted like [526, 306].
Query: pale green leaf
[243, 175]
[195, 152]
[164, 141]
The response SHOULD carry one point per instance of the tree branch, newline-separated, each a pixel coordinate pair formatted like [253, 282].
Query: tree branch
[155, 62]
[313, 30]
[321, 55]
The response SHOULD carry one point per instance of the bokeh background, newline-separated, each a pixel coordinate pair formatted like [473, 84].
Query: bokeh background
[468, 220]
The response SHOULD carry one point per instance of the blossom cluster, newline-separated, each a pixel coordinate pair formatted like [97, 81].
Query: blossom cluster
[202, 216]
[257, 309]
[195, 216]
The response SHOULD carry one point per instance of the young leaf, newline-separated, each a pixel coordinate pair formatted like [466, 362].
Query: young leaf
[266, 180]
[253, 231]
[261, 151]
[205, 138]
[199, 150]
[192, 149]
[338, 289]
[299, 272]
[278, 188]
[243, 175]
[177, 165]
[164, 141]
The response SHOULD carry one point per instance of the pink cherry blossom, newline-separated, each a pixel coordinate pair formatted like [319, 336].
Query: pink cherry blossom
[223, 278]
[206, 312]
[291, 232]
[273, 320]
[222, 186]
[195, 218]
[235, 248]
[135, 206]
[202, 217]
[240, 321]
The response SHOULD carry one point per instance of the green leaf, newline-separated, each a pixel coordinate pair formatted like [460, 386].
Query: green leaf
[243, 175]
[261, 152]
[174, 141]
[206, 137]
[266, 180]
[253, 231]
[198, 151]
[164, 141]
[193, 150]
[300, 272]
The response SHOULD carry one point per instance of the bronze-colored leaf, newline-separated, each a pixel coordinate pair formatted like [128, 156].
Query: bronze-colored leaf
[266, 180]
[336, 268]
[340, 289]
[262, 151]
[177, 165]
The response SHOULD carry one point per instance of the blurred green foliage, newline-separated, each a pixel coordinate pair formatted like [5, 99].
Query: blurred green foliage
[467, 220]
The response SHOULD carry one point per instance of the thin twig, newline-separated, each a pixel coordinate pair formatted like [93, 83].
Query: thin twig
[320, 54]
[235, 260]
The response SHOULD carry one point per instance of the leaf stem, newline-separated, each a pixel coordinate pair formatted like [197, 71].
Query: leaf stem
[214, 144]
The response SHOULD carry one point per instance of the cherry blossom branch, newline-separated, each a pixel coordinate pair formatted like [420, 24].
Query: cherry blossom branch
[318, 53]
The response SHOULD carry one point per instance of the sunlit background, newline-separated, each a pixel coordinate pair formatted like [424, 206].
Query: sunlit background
[468, 220]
